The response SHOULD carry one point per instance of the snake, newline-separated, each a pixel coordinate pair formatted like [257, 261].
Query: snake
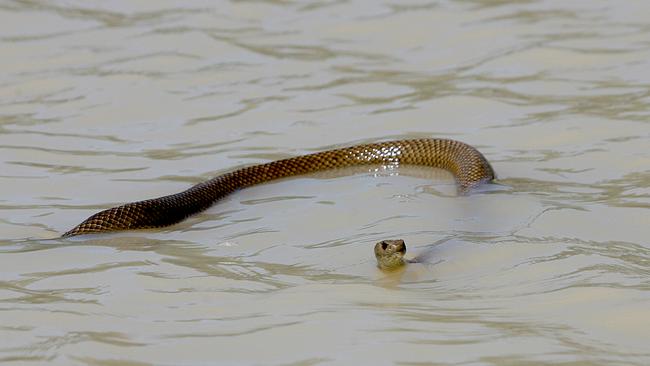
[469, 167]
[390, 254]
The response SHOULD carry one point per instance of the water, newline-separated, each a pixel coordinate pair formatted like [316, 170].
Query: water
[108, 102]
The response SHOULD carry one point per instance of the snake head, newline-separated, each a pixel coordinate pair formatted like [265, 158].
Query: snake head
[390, 254]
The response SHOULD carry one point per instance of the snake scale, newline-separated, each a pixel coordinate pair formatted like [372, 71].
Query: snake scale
[468, 165]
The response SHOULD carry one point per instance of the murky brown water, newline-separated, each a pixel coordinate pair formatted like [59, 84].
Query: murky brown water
[107, 102]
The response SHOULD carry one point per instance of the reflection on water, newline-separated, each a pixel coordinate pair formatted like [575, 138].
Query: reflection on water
[107, 103]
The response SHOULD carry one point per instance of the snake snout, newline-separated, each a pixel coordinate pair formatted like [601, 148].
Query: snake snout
[392, 246]
[390, 254]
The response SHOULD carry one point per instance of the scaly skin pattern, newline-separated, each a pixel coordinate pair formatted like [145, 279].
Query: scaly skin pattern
[390, 254]
[468, 165]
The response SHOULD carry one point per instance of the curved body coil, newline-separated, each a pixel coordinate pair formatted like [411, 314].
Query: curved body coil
[468, 165]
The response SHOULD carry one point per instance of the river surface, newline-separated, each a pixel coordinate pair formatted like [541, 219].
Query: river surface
[103, 103]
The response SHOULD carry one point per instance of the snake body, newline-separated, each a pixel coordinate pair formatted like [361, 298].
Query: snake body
[468, 165]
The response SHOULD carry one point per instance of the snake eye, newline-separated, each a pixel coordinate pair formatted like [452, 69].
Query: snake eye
[384, 245]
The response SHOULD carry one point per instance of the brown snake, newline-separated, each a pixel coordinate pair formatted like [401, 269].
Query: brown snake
[467, 164]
